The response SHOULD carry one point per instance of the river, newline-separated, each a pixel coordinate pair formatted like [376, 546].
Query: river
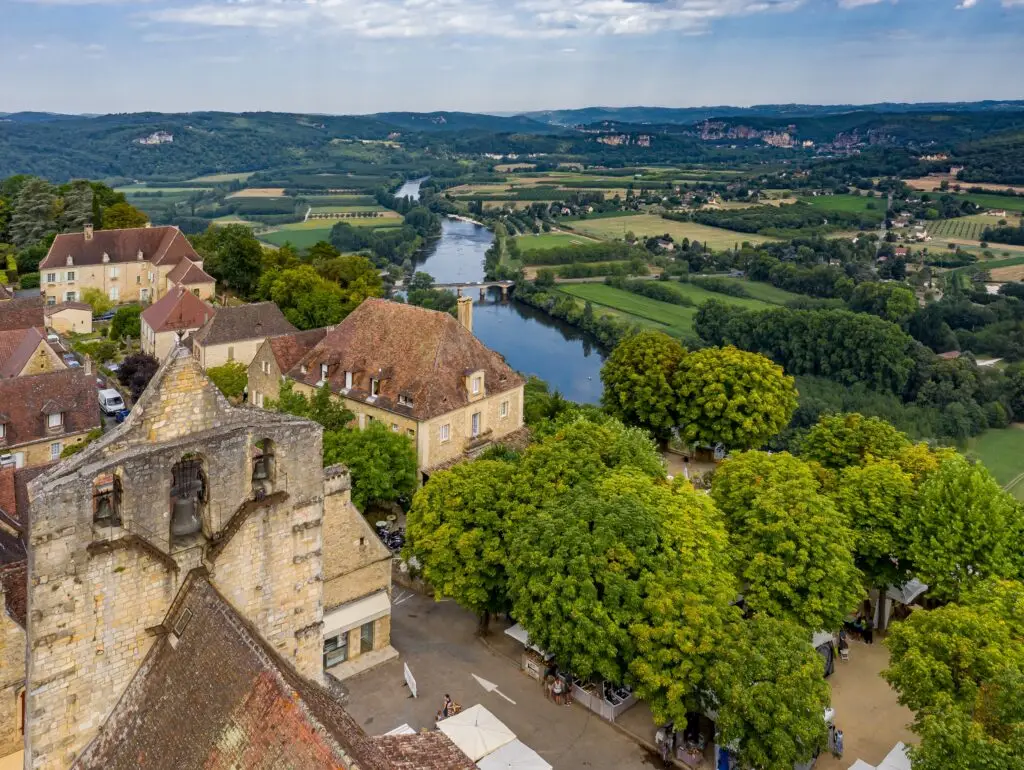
[532, 342]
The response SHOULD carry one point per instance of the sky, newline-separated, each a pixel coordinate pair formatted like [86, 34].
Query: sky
[362, 56]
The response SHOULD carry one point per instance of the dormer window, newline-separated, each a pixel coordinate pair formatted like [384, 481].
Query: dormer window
[70, 260]
[106, 500]
[138, 256]
[55, 420]
[106, 257]
[348, 380]
[404, 400]
[374, 387]
[303, 369]
[477, 384]
[3, 431]
[323, 372]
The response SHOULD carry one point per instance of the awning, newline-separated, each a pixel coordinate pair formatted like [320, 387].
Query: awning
[820, 638]
[513, 756]
[906, 593]
[860, 764]
[896, 759]
[401, 730]
[353, 614]
[476, 731]
[519, 633]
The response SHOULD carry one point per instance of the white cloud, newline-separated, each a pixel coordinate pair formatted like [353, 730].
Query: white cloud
[502, 18]
[858, 3]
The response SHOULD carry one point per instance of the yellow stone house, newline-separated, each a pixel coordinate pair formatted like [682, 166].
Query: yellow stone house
[419, 372]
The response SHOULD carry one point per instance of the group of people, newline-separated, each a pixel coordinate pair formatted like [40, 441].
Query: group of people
[555, 686]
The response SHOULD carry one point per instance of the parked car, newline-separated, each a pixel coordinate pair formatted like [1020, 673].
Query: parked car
[105, 317]
[70, 361]
[51, 337]
[110, 401]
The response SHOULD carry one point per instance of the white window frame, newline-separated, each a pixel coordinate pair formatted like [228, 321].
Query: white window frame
[394, 427]
[50, 421]
[115, 271]
[476, 424]
[71, 296]
[3, 430]
[374, 387]
[445, 433]
[503, 409]
[323, 372]
[348, 380]
[475, 385]
[114, 293]
[55, 450]
[69, 276]
[51, 278]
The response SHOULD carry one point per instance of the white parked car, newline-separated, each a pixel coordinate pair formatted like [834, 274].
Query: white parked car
[110, 401]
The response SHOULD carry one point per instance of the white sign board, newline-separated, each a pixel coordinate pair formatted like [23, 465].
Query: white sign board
[409, 680]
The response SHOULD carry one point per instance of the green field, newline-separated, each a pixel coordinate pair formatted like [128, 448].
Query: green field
[345, 209]
[1007, 202]
[647, 225]
[549, 241]
[851, 204]
[674, 319]
[302, 235]
[240, 176]
[699, 296]
[142, 187]
[1002, 452]
[758, 290]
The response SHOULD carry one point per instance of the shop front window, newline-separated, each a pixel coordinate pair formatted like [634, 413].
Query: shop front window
[336, 650]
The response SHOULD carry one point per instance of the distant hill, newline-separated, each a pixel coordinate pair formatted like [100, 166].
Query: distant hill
[462, 121]
[688, 115]
[38, 117]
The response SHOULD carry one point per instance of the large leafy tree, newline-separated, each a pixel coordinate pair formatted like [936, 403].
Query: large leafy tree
[123, 215]
[731, 396]
[876, 500]
[382, 462]
[34, 214]
[230, 378]
[637, 380]
[766, 684]
[839, 441]
[457, 529]
[76, 208]
[232, 255]
[964, 528]
[136, 371]
[321, 407]
[793, 548]
[306, 299]
[960, 669]
[581, 571]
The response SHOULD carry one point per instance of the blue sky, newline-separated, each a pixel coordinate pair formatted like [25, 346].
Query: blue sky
[356, 56]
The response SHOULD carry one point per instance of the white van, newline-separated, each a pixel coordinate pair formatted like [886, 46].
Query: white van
[110, 401]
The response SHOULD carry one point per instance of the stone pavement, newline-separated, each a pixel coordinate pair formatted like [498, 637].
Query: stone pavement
[437, 640]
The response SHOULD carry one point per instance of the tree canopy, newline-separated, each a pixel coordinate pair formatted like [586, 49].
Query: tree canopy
[637, 380]
[730, 396]
[844, 440]
[382, 462]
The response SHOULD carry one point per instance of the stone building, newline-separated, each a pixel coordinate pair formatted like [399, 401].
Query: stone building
[69, 318]
[175, 594]
[26, 351]
[42, 414]
[276, 356]
[236, 333]
[418, 371]
[170, 319]
[138, 264]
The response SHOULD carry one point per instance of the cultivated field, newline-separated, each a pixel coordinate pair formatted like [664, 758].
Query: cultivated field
[967, 228]
[647, 225]
[347, 209]
[758, 290]
[142, 187]
[851, 204]
[302, 235]
[259, 192]
[674, 319]
[932, 182]
[550, 241]
[507, 167]
[240, 176]
[1002, 451]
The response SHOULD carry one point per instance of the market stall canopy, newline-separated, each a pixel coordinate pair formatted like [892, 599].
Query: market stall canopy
[476, 731]
[821, 638]
[513, 756]
[896, 759]
[860, 764]
[401, 730]
[520, 634]
[906, 593]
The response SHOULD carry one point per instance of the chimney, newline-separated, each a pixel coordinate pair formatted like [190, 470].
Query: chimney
[465, 310]
[88, 232]
[88, 365]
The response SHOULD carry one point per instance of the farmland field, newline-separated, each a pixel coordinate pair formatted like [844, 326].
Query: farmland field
[995, 202]
[699, 296]
[1002, 452]
[930, 183]
[302, 235]
[646, 225]
[675, 319]
[851, 204]
[758, 290]
[345, 209]
[550, 241]
[961, 227]
[240, 176]
[142, 187]
[259, 192]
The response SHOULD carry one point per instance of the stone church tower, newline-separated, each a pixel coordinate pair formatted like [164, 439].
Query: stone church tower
[187, 482]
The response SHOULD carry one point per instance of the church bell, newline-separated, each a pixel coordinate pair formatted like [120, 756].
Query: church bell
[104, 511]
[184, 519]
[260, 471]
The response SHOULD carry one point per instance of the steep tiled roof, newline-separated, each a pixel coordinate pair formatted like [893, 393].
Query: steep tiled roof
[51, 309]
[188, 273]
[289, 348]
[22, 313]
[8, 500]
[25, 402]
[424, 751]
[178, 309]
[245, 322]
[16, 349]
[420, 354]
[159, 246]
[219, 697]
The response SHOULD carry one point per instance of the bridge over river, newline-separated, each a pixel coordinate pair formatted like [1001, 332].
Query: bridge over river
[483, 286]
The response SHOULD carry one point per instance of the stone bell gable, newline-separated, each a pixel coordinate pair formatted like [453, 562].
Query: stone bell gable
[186, 482]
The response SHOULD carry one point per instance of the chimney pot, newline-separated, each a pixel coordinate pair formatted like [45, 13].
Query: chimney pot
[88, 232]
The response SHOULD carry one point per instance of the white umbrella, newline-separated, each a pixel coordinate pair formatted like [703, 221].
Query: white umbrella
[476, 731]
[896, 759]
[513, 756]
[860, 764]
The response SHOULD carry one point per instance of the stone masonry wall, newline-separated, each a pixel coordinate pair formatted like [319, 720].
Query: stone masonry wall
[12, 681]
[264, 385]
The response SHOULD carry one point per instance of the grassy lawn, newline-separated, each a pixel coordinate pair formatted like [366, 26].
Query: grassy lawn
[302, 235]
[1002, 451]
[674, 319]
[699, 296]
[234, 219]
[853, 204]
[549, 241]
[345, 209]
[240, 176]
[646, 225]
[1007, 202]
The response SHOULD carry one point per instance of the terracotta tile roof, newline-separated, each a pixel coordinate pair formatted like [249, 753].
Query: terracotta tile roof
[14, 578]
[245, 322]
[289, 348]
[22, 313]
[25, 402]
[220, 698]
[420, 354]
[8, 500]
[178, 309]
[16, 349]
[159, 246]
[188, 273]
[424, 751]
[51, 309]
